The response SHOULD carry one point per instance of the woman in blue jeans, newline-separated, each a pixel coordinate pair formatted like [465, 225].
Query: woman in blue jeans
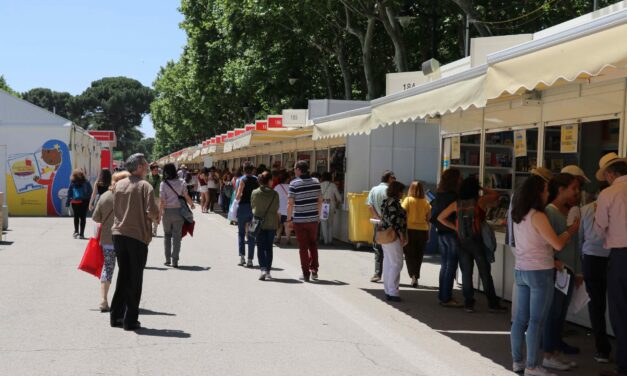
[535, 242]
[265, 203]
[448, 243]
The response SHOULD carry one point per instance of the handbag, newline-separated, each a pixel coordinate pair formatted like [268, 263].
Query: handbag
[385, 236]
[184, 210]
[232, 216]
[325, 209]
[254, 227]
[93, 257]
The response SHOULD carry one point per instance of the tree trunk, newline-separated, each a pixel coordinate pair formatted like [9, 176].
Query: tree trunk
[469, 10]
[365, 40]
[342, 60]
[393, 29]
[327, 79]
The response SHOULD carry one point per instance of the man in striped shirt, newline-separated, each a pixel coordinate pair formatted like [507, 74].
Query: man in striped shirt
[303, 210]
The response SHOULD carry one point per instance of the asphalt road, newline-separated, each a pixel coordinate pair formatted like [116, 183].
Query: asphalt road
[212, 317]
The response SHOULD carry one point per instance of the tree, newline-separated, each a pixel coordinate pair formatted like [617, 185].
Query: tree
[118, 104]
[5, 86]
[146, 146]
[61, 103]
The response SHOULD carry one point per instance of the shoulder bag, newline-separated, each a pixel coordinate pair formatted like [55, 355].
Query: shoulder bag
[254, 227]
[184, 210]
[385, 236]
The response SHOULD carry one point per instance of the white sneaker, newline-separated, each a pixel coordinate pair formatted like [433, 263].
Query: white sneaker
[518, 367]
[268, 276]
[538, 371]
[263, 276]
[555, 363]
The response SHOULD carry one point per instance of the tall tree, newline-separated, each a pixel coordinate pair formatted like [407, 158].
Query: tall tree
[5, 86]
[118, 104]
[61, 103]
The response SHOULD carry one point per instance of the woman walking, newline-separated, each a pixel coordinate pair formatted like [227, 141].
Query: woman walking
[393, 216]
[169, 206]
[213, 185]
[470, 211]
[203, 189]
[331, 196]
[79, 193]
[265, 203]
[226, 192]
[418, 212]
[102, 185]
[282, 189]
[103, 214]
[533, 274]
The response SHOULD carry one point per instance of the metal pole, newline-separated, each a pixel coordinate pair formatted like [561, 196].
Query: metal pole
[467, 41]
[595, 5]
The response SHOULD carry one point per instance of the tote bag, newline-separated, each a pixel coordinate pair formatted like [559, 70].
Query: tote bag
[233, 211]
[93, 258]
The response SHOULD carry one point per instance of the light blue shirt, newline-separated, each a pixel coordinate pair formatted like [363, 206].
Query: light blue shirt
[377, 195]
[590, 240]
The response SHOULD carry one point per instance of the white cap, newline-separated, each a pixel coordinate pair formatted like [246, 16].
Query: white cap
[575, 171]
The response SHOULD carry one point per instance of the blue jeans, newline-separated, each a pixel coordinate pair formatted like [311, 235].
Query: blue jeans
[552, 339]
[534, 294]
[264, 249]
[471, 252]
[244, 216]
[449, 249]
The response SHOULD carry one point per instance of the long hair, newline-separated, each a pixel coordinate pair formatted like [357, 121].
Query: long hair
[527, 197]
[104, 179]
[469, 189]
[449, 181]
[416, 190]
[395, 189]
[169, 172]
[561, 180]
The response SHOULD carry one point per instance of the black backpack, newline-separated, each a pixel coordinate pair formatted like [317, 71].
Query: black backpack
[468, 226]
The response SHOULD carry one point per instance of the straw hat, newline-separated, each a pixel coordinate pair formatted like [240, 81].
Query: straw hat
[575, 171]
[606, 160]
[542, 172]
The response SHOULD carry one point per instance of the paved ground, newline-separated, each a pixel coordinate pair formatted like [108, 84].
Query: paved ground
[212, 317]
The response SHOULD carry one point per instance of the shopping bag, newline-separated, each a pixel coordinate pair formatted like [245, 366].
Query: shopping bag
[93, 258]
[233, 211]
[188, 228]
[325, 211]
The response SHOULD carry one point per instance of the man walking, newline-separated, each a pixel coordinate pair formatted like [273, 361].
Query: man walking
[611, 222]
[134, 208]
[247, 184]
[303, 209]
[155, 180]
[377, 194]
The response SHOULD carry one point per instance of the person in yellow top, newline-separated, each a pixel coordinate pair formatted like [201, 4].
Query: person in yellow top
[418, 214]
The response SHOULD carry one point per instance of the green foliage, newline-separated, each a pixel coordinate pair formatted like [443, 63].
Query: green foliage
[118, 104]
[61, 103]
[145, 146]
[5, 86]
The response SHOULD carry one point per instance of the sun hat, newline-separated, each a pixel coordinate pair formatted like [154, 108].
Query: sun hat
[542, 172]
[575, 171]
[605, 161]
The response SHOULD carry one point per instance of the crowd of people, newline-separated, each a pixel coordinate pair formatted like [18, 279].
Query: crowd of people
[554, 237]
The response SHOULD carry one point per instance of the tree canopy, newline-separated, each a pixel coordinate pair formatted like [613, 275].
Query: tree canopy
[5, 86]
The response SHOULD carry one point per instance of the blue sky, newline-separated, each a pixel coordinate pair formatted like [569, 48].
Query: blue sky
[64, 45]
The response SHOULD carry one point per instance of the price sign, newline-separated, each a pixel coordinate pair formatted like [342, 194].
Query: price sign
[456, 151]
[569, 138]
[520, 143]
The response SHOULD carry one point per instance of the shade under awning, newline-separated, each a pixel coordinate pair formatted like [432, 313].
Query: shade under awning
[439, 97]
[352, 122]
[590, 50]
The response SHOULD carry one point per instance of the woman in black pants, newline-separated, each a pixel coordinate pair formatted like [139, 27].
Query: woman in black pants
[78, 195]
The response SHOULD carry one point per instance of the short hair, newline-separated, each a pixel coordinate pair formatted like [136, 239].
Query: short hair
[561, 180]
[387, 174]
[326, 176]
[449, 181]
[618, 168]
[134, 161]
[117, 177]
[395, 189]
[153, 166]
[416, 190]
[248, 167]
[303, 166]
[78, 177]
[265, 178]
[469, 189]
[169, 172]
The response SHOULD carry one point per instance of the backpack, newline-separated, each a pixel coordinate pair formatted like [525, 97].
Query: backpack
[468, 226]
[79, 192]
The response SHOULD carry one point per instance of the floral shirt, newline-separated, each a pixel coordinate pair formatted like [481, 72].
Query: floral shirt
[393, 215]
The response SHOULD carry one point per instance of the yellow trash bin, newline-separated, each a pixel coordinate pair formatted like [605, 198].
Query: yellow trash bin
[360, 230]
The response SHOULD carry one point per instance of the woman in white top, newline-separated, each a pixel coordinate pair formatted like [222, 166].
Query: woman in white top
[535, 242]
[282, 188]
[330, 195]
[213, 185]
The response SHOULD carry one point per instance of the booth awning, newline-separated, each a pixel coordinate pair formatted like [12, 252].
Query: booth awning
[449, 94]
[593, 49]
[343, 124]
[255, 137]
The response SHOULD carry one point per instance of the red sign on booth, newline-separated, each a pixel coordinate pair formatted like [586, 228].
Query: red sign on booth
[261, 125]
[223, 138]
[275, 121]
[230, 134]
[239, 131]
[250, 127]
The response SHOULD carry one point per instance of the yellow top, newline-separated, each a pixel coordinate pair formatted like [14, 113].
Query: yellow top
[418, 211]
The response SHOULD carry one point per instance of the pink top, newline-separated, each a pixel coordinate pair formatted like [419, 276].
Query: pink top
[532, 251]
[611, 215]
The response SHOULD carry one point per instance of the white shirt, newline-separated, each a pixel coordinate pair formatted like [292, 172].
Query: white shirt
[282, 190]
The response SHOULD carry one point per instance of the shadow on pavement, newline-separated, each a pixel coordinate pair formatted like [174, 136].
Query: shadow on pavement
[481, 331]
[329, 283]
[285, 280]
[144, 311]
[154, 268]
[162, 333]
[194, 268]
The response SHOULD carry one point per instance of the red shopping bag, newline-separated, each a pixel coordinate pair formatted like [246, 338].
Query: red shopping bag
[188, 228]
[93, 258]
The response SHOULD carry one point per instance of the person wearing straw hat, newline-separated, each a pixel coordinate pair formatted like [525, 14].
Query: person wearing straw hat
[611, 223]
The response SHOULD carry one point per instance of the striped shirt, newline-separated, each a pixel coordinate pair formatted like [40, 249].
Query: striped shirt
[305, 191]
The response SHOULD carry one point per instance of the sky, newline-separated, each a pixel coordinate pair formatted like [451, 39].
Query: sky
[64, 45]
